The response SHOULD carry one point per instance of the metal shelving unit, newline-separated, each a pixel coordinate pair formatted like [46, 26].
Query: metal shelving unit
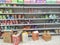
[30, 19]
[32, 24]
[34, 6]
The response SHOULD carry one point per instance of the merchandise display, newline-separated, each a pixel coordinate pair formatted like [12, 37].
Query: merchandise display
[21, 20]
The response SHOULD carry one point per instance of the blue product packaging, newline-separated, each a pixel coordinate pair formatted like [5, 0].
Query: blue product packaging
[2, 1]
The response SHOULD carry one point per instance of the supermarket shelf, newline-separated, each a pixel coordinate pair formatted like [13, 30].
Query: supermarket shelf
[44, 13]
[34, 13]
[40, 29]
[32, 24]
[31, 19]
[36, 29]
[11, 7]
[29, 7]
[41, 6]
[43, 33]
[11, 13]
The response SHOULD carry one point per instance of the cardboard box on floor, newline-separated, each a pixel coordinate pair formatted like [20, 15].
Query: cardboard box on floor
[7, 37]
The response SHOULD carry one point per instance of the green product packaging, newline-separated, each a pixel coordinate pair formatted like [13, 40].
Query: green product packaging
[20, 1]
[8, 27]
[14, 1]
[50, 1]
[10, 10]
[0, 12]
[3, 5]
[46, 16]
[4, 17]
[0, 16]
[8, 5]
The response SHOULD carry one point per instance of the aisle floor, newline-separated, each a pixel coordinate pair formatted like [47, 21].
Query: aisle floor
[54, 41]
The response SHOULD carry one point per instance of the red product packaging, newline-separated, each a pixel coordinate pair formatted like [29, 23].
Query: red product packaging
[58, 1]
[4, 22]
[8, 22]
[16, 39]
[16, 22]
[13, 21]
[8, 1]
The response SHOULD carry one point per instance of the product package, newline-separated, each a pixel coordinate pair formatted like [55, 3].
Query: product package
[50, 1]
[8, 1]
[40, 1]
[16, 38]
[58, 1]
[27, 1]
[2, 1]
[21, 1]
[14, 1]
[25, 37]
[35, 35]
[46, 36]
[33, 1]
[7, 37]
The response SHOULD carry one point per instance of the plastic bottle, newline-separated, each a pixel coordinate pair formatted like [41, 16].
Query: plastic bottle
[25, 37]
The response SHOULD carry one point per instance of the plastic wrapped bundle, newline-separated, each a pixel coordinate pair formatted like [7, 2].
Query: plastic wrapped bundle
[50, 1]
[21, 1]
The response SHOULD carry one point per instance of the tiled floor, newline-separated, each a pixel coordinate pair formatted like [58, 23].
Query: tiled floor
[54, 41]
